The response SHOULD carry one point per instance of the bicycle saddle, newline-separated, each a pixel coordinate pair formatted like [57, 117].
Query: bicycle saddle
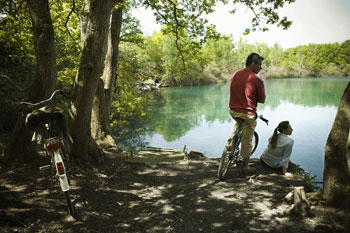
[42, 115]
[239, 120]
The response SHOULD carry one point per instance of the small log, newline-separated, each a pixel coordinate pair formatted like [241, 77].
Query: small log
[301, 203]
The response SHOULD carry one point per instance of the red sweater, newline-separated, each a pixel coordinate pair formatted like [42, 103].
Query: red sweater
[246, 90]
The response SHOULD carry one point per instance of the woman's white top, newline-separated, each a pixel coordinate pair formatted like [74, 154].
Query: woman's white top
[278, 156]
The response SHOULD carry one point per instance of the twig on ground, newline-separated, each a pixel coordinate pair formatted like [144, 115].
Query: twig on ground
[118, 170]
[175, 222]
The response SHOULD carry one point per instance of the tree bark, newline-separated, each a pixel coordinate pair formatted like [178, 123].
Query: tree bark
[95, 24]
[45, 79]
[100, 123]
[336, 173]
[45, 51]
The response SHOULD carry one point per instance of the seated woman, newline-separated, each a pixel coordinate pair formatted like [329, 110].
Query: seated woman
[279, 149]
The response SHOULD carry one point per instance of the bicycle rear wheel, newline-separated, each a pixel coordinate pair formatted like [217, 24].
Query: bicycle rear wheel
[62, 175]
[71, 208]
[70, 205]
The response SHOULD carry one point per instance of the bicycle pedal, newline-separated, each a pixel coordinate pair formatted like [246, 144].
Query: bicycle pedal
[45, 167]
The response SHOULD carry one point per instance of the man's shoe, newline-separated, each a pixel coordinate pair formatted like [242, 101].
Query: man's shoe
[246, 170]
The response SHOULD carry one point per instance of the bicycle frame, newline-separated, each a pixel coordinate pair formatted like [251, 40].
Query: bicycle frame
[236, 136]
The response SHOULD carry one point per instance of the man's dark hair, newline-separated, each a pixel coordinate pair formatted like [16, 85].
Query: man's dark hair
[253, 58]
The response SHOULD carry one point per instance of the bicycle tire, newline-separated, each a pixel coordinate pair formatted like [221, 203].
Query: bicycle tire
[225, 164]
[255, 141]
[71, 208]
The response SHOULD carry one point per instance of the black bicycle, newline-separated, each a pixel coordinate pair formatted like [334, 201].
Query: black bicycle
[47, 122]
[231, 154]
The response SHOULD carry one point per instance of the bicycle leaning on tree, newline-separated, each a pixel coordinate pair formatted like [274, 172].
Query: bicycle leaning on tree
[231, 154]
[47, 122]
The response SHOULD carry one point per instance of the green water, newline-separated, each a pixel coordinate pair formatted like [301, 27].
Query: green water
[198, 118]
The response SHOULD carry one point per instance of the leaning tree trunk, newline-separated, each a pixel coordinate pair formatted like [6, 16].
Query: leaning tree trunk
[95, 24]
[336, 173]
[100, 123]
[19, 146]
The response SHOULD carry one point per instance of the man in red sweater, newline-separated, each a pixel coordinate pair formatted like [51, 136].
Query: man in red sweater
[246, 91]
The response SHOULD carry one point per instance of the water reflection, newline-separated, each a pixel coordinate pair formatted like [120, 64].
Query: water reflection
[305, 92]
[198, 117]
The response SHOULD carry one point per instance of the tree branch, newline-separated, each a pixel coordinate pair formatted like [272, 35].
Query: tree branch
[176, 33]
[65, 25]
[177, 24]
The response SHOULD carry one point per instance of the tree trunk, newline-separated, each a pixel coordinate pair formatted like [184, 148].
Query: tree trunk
[100, 123]
[45, 51]
[336, 173]
[19, 146]
[95, 24]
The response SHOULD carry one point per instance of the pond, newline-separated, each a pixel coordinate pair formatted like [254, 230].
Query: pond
[198, 118]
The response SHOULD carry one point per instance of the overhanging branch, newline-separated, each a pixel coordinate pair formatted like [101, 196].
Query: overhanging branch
[65, 25]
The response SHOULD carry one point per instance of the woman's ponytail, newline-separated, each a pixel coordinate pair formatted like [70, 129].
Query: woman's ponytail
[281, 126]
[274, 138]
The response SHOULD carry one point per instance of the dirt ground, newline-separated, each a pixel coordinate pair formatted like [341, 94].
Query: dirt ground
[146, 194]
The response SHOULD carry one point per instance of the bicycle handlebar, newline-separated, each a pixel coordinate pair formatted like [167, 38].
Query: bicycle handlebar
[62, 92]
[27, 107]
[263, 119]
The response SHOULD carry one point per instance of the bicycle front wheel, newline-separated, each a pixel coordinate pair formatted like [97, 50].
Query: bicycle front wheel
[225, 163]
[255, 141]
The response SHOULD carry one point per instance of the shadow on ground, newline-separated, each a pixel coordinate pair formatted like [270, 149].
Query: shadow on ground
[159, 197]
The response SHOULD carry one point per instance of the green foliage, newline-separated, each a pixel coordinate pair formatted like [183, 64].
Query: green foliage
[311, 184]
[16, 59]
[66, 23]
[320, 59]
[194, 66]
[186, 16]
[128, 102]
[130, 31]
[217, 59]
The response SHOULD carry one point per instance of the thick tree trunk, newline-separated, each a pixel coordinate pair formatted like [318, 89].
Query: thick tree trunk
[95, 24]
[19, 146]
[336, 173]
[100, 123]
[45, 51]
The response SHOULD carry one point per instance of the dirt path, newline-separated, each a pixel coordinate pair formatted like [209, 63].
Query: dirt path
[171, 196]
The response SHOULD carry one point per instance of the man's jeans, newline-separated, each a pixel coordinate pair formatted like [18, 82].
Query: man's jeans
[248, 127]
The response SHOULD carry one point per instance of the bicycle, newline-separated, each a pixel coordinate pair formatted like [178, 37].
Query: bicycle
[48, 126]
[231, 153]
